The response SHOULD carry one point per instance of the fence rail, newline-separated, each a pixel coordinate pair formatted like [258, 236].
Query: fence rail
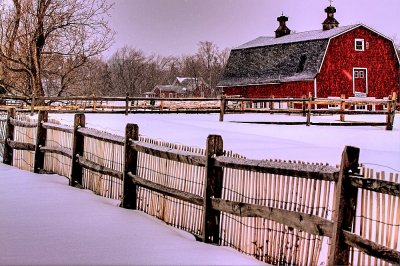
[264, 208]
[306, 106]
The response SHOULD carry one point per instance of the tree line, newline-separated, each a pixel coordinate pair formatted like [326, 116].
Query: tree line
[54, 47]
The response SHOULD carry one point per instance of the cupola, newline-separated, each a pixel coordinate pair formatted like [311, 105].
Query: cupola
[282, 30]
[330, 22]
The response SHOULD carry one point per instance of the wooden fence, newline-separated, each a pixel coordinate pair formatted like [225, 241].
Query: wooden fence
[305, 106]
[279, 212]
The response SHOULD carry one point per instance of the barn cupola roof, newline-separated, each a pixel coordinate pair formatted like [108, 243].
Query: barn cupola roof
[282, 30]
[330, 22]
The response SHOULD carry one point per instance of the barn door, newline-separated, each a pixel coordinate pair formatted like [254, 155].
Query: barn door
[360, 81]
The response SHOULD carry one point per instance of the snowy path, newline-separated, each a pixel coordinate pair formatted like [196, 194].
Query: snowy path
[43, 221]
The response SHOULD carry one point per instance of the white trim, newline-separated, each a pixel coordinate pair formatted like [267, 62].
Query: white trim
[315, 88]
[362, 44]
[366, 79]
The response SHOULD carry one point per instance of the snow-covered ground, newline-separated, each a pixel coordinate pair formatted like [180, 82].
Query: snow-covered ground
[380, 149]
[43, 221]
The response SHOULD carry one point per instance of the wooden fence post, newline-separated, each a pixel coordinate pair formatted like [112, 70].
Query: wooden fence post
[41, 136]
[391, 110]
[77, 150]
[127, 104]
[344, 208]
[212, 189]
[308, 123]
[303, 106]
[8, 151]
[222, 108]
[342, 106]
[130, 165]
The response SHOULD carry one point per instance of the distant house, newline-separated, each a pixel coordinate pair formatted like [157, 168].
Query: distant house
[354, 60]
[181, 87]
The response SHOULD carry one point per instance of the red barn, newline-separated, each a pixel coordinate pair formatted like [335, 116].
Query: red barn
[352, 60]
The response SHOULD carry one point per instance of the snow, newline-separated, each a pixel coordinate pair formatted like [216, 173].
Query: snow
[297, 37]
[46, 222]
[43, 221]
[323, 144]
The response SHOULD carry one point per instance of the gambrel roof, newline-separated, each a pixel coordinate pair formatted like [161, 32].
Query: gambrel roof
[294, 57]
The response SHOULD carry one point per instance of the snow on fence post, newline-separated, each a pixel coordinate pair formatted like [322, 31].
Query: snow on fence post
[345, 200]
[8, 151]
[130, 165]
[77, 150]
[222, 108]
[212, 189]
[41, 136]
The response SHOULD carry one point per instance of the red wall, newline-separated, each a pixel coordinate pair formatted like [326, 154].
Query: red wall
[336, 75]
[282, 90]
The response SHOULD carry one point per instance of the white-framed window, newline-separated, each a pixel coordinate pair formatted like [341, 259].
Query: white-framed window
[361, 107]
[361, 74]
[359, 44]
[355, 74]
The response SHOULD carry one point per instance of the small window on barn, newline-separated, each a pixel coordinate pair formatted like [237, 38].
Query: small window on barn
[302, 63]
[355, 74]
[361, 74]
[359, 44]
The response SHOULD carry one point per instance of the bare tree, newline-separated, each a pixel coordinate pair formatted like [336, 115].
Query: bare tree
[44, 42]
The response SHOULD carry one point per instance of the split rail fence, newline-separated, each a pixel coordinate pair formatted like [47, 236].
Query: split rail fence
[305, 106]
[279, 212]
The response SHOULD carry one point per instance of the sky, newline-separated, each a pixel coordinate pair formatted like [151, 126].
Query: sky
[175, 27]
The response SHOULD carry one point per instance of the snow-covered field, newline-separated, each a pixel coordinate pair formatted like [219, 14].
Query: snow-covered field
[43, 221]
[380, 149]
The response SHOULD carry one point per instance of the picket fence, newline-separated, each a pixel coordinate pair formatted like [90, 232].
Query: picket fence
[279, 212]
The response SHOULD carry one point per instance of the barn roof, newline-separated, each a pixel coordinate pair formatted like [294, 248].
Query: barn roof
[293, 57]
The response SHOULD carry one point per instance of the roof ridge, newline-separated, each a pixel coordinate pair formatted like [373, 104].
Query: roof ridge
[310, 35]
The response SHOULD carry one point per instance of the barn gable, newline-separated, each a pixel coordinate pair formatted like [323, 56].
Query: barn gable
[265, 60]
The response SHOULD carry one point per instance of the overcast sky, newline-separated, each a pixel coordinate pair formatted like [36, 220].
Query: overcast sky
[174, 27]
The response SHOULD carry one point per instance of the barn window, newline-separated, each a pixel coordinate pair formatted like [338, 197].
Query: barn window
[361, 74]
[355, 74]
[302, 62]
[359, 44]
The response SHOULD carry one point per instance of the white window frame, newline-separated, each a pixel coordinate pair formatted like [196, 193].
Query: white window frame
[366, 78]
[362, 45]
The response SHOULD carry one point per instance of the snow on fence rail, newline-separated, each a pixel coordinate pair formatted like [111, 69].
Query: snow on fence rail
[305, 106]
[279, 212]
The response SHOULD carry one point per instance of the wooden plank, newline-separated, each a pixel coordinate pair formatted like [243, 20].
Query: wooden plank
[212, 189]
[322, 172]
[16, 145]
[62, 128]
[77, 150]
[167, 191]
[41, 135]
[380, 186]
[169, 154]
[222, 108]
[130, 163]
[57, 150]
[9, 136]
[101, 135]
[99, 168]
[20, 123]
[306, 222]
[371, 248]
[345, 199]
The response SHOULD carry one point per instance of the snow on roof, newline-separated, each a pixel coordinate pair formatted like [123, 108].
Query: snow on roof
[297, 37]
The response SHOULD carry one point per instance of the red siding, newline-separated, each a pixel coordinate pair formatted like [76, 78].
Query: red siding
[336, 75]
[288, 89]
[378, 57]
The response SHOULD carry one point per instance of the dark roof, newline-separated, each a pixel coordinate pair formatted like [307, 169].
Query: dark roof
[293, 57]
[170, 88]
